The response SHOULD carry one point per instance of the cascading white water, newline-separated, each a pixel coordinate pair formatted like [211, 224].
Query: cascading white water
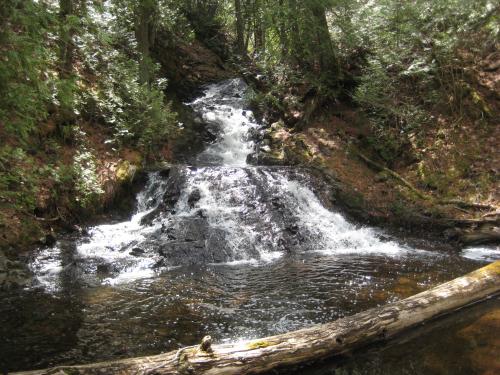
[223, 104]
[219, 248]
[240, 214]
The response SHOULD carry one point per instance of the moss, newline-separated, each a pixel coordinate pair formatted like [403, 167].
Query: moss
[259, 344]
[125, 171]
[478, 100]
[492, 269]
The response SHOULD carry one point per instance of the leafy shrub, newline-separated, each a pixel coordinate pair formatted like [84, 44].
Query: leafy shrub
[24, 57]
[17, 187]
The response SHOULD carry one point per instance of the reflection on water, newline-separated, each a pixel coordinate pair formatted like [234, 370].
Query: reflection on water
[180, 306]
[467, 343]
[221, 248]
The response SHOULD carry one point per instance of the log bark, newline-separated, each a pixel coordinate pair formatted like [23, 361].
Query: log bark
[310, 344]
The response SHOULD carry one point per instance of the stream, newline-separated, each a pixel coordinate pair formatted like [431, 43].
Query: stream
[216, 247]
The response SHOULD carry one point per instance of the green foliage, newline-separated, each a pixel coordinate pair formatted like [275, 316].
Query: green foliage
[87, 185]
[154, 122]
[417, 62]
[17, 188]
[44, 102]
[267, 100]
[24, 58]
[399, 61]
[138, 113]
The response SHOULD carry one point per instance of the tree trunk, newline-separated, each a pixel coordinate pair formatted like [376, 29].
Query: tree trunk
[240, 41]
[145, 32]
[66, 49]
[295, 46]
[258, 33]
[282, 31]
[310, 344]
[325, 52]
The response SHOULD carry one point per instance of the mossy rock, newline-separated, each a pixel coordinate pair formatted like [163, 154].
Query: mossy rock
[480, 102]
[125, 171]
[382, 176]
[352, 199]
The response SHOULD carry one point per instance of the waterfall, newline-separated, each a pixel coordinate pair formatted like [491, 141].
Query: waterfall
[220, 211]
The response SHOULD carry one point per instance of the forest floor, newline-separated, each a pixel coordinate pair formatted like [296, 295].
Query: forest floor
[446, 182]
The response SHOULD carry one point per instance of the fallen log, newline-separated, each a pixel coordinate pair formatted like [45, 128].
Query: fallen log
[305, 345]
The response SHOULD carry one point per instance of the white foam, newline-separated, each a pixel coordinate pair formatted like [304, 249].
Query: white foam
[47, 266]
[143, 269]
[335, 235]
[489, 254]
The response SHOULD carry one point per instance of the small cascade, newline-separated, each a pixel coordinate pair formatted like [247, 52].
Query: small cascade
[222, 107]
[218, 247]
[218, 211]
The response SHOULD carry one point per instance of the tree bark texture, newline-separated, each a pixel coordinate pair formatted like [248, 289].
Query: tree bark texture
[240, 29]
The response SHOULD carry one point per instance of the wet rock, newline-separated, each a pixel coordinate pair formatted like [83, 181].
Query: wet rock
[195, 229]
[202, 214]
[103, 268]
[160, 263]
[193, 241]
[13, 274]
[209, 136]
[293, 229]
[170, 233]
[254, 134]
[277, 202]
[136, 251]
[252, 158]
[48, 240]
[165, 172]
[194, 197]
[175, 184]
[124, 248]
[148, 219]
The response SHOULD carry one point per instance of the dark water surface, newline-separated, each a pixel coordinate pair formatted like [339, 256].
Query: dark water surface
[465, 343]
[230, 250]
[180, 306]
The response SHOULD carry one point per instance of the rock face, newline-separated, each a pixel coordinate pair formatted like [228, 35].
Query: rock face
[217, 215]
[187, 66]
[12, 274]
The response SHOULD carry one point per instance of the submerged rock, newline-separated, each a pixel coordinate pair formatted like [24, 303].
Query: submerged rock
[12, 273]
[136, 251]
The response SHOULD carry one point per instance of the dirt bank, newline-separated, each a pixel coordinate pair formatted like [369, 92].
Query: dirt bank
[445, 184]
